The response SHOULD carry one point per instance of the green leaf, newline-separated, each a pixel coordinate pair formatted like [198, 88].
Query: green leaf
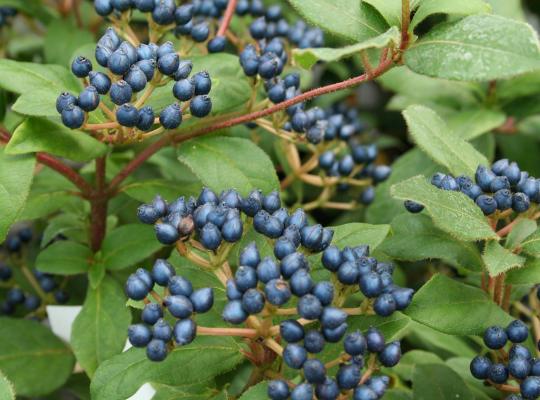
[531, 245]
[393, 327]
[508, 8]
[442, 344]
[476, 48]
[39, 134]
[438, 381]
[454, 7]
[397, 394]
[520, 231]
[453, 212]
[415, 238]
[128, 244]
[122, 375]
[411, 359]
[389, 9]
[306, 58]
[99, 331]
[32, 358]
[434, 137]
[39, 85]
[222, 163]
[6, 389]
[469, 124]
[461, 365]
[499, 260]
[31, 7]
[64, 258]
[63, 31]
[454, 308]
[529, 274]
[257, 392]
[355, 234]
[16, 174]
[349, 19]
[145, 190]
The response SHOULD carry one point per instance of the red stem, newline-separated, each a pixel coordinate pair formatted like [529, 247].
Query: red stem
[98, 207]
[156, 146]
[227, 16]
[56, 165]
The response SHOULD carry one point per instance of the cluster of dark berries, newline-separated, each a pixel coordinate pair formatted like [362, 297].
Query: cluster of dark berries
[6, 13]
[15, 240]
[500, 188]
[518, 364]
[354, 266]
[215, 219]
[182, 303]
[132, 68]
[270, 24]
[358, 348]
[268, 63]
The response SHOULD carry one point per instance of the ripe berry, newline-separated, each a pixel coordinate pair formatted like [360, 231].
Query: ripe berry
[103, 7]
[518, 350]
[200, 106]
[162, 330]
[232, 290]
[498, 373]
[324, 291]
[301, 283]
[495, 337]
[355, 344]
[530, 387]
[234, 312]
[348, 376]
[118, 62]
[151, 313]
[384, 305]
[250, 256]
[184, 331]
[166, 234]
[202, 300]
[232, 230]
[127, 115]
[367, 196]
[303, 391]
[483, 177]
[64, 101]
[179, 306]
[163, 12]
[121, 92]
[180, 285]
[277, 292]
[139, 335]
[183, 14]
[81, 67]
[253, 301]
[100, 81]
[183, 89]
[374, 340]
[201, 83]
[148, 67]
[171, 116]
[278, 390]
[210, 236]
[136, 78]
[332, 317]
[499, 166]
[413, 207]
[246, 278]
[309, 307]
[363, 392]
[487, 204]
[32, 302]
[291, 331]
[402, 297]
[314, 341]
[145, 119]
[519, 367]
[156, 350]
[200, 32]
[517, 331]
[5, 273]
[294, 355]
[334, 335]
[328, 390]
[391, 354]
[292, 263]
[314, 371]
[512, 172]
[136, 288]
[503, 199]
[520, 202]
[73, 116]
[162, 271]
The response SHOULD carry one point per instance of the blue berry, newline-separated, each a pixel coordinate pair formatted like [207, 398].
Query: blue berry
[367, 196]
[530, 387]
[118, 62]
[520, 202]
[32, 302]
[363, 392]
[402, 297]
[384, 305]
[374, 340]
[145, 119]
[65, 100]
[145, 51]
[88, 99]
[147, 214]
[47, 283]
[180, 285]
[499, 166]
[246, 278]
[250, 256]
[183, 89]
[139, 335]
[355, 344]
[100, 81]
[517, 331]
[324, 291]
[332, 258]
[232, 230]
[200, 32]
[519, 367]
[277, 292]
[301, 283]
[348, 376]
[378, 384]
[283, 247]
[483, 177]
[184, 331]
[183, 14]
[334, 335]
[314, 341]
[328, 390]
[512, 172]
[413, 207]
[151, 313]
[348, 273]
[202, 300]
[81, 67]
[503, 198]
[278, 390]
[148, 67]
[127, 115]
[201, 83]
[253, 301]
[304, 391]
[179, 306]
[495, 337]
[210, 236]
[232, 291]
[162, 330]
[73, 116]
[294, 355]
[164, 12]
[314, 371]
[136, 78]
[168, 63]
[162, 271]
[200, 106]
[498, 373]
[487, 204]
[471, 190]
[136, 288]
[5, 273]
[171, 116]
[499, 183]
[390, 355]
[166, 234]
[518, 350]
[121, 92]
[156, 350]
[103, 7]
[234, 312]
[291, 331]
[370, 284]
[332, 317]
[309, 307]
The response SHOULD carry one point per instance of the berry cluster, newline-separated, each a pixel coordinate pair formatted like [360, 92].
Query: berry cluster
[132, 69]
[6, 13]
[501, 188]
[358, 349]
[181, 302]
[15, 295]
[517, 365]
[354, 266]
[268, 63]
[216, 219]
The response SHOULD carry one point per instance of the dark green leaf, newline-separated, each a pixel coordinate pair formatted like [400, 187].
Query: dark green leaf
[256, 392]
[529, 274]
[476, 48]
[32, 358]
[389, 9]
[437, 381]
[128, 244]
[306, 58]
[412, 359]
[520, 231]
[39, 134]
[16, 174]
[434, 137]
[473, 123]
[455, 7]
[225, 162]
[64, 258]
[531, 245]
[100, 330]
[499, 260]
[453, 212]
[455, 308]
[355, 234]
[415, 238]
[393, 327]
[31, 7]
[349, 19]
[63, 31]
[145, 191]
[122, 375]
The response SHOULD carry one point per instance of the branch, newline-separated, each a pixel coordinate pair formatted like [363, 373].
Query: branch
[243, 332]
[405, 22]
[227, 16]
[55, 164]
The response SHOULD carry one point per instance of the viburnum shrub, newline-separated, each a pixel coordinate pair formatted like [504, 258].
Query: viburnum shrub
[247, 199]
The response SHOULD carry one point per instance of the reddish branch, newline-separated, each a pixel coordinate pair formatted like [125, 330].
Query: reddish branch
[56, 165]
[98, 207]
[227, 16]
[385, 64]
